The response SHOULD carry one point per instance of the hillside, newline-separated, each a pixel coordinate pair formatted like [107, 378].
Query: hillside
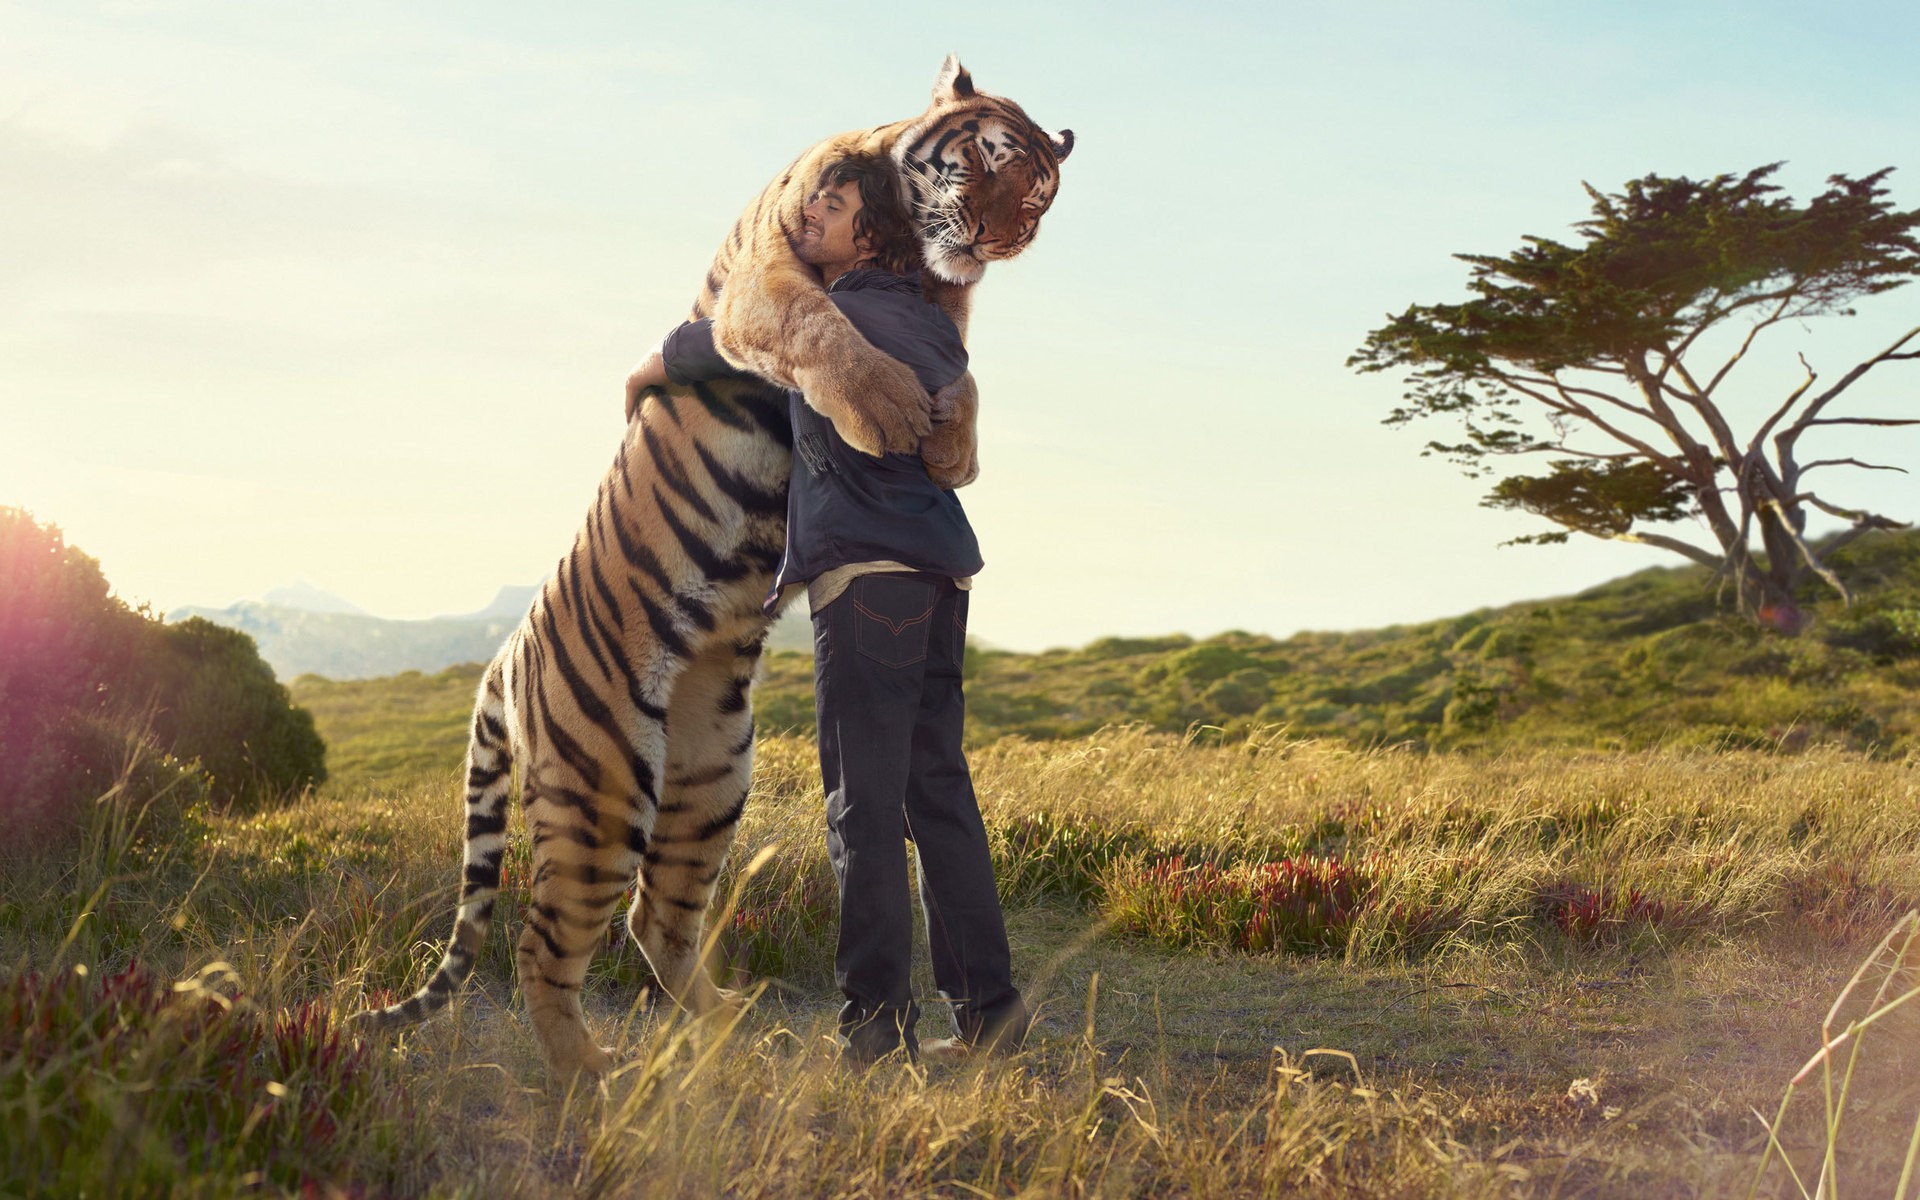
[1644, 660]
[1641, 661]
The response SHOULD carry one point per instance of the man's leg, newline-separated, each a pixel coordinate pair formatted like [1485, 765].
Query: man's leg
[870, 650]
[966, 932]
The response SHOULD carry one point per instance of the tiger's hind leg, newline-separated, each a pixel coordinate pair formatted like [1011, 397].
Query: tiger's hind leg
[709, 765]
[584, 856]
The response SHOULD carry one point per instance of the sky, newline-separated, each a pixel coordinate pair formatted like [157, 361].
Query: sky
[346, 293]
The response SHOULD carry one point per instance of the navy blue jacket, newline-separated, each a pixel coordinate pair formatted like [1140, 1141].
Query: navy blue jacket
[844, 506]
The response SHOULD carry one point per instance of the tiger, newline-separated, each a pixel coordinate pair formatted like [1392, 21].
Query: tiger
[625, 693]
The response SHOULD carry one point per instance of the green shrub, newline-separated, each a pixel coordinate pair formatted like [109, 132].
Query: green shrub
[1887, 634]
[63, 640]
[217, 702]
[81, 674]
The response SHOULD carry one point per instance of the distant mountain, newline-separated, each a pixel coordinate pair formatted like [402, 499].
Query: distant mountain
[338, 645]
[511, 603]
[298, 641]
[305, 596]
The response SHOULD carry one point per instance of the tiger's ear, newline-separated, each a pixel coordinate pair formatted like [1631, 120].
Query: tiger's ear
[954, 82]
[1062, 144]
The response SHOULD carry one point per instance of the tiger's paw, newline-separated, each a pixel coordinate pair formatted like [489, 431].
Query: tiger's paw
[875, 403]
[949, 455]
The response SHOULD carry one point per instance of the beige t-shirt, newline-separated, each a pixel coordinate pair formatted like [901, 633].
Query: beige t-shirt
[826, 588]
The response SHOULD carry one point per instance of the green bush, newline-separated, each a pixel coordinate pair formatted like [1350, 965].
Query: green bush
[81, 674]
[1887, 633]
[62, 639]
[218, 702]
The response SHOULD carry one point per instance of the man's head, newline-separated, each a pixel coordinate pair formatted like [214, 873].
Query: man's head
[856, 218]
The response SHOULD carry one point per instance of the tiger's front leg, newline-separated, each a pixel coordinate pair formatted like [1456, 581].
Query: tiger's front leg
[709, 765]
[779, 324]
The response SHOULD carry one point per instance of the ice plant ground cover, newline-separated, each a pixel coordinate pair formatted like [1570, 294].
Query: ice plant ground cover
[1263, 967]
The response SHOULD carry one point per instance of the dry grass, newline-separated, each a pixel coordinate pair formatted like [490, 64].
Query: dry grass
[1430, 1052]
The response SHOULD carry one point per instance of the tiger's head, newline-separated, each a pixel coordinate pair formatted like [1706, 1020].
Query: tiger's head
[979, 174]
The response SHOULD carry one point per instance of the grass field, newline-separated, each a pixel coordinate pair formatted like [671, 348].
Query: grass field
[1262, 968]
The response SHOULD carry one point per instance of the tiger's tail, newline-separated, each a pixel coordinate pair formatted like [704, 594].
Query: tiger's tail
[489, 778]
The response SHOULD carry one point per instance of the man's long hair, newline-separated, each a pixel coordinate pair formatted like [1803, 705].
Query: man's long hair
[883, 219]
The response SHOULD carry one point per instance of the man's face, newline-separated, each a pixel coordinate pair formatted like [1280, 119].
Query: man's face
[826, 240]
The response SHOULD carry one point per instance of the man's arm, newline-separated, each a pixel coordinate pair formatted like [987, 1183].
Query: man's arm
[685, 356]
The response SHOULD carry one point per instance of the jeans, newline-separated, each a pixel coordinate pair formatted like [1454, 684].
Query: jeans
[887, 655]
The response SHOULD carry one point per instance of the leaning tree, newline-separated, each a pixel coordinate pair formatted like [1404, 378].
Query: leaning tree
[1598, 355]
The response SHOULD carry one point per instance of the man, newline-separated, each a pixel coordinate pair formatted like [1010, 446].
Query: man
[886, 558]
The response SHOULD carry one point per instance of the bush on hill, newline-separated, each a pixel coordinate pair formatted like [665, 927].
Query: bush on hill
[85, 682]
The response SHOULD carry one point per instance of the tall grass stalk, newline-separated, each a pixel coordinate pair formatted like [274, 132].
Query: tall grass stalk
[1896, 961]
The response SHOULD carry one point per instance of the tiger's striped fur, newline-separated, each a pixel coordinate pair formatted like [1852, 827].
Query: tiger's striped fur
[625, 693]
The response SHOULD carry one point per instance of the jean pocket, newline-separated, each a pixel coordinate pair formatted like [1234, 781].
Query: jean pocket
[892, 618]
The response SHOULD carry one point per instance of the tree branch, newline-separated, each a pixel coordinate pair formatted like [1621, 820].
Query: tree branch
[1780, 414]
[1850, 462]
[1575, 409]
[1861, 421]
[1745, 344]
[1665, 543]
[1854, 534]
[1859, 516]
[1827, 397]
[1806, 552]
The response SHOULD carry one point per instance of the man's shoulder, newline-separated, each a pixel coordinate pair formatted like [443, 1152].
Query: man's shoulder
[877, 280]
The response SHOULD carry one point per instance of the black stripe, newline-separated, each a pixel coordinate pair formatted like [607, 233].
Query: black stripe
[482, 824]
[551, 982]
[748, 495]
[668, 467]
[553, 947]
[703, 778]
[636, 839]
[591, 706]
[686, 905]
[744, 744]
[480, 876]
[662, 626]
[768, 410]
[720, 410]
[606, 593]
[710, 564]
[555, 915]
[573, 798]
[496, 732]
[583, 615]
[641, 557]
[695, 611]
[585, 873]
[666, 403]
[735, 699]
[725, 820]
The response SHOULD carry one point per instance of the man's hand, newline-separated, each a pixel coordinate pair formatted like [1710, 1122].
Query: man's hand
[652, 372]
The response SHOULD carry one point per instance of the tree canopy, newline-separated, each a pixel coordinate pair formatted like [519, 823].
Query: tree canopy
[1593, 351]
